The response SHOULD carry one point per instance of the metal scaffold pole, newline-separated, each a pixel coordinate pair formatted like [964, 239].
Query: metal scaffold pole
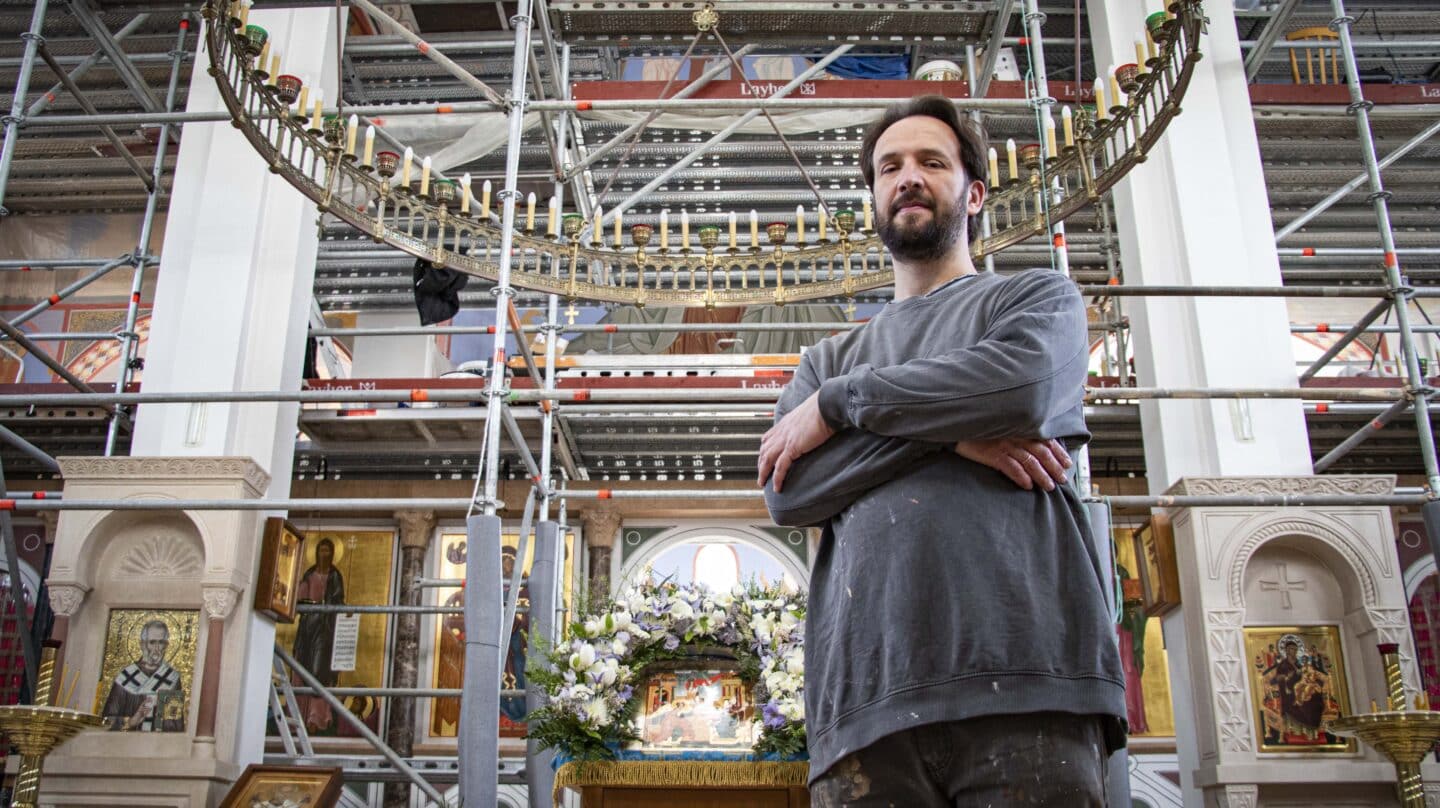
[12, 122]
[479, 733]
[1416, 387]
[129, 339]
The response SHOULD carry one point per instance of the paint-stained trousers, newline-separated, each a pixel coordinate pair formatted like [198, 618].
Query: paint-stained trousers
[1055, 760]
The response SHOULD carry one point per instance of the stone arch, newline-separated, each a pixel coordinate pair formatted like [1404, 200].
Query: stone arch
[681, 535]
[101, 533]
[1338, 549]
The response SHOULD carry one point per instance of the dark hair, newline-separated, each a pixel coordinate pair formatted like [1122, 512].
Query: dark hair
[969, 134]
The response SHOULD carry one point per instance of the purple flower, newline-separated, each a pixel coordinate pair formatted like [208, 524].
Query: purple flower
[771, 715]
[671, 642]
[625, 693]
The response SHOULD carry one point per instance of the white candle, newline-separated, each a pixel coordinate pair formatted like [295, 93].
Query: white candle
[244, 15]
[530, 212]
[274, 65]
[619, 229]
[350, 132]
[405, 166]
[820, 222]
[1011, 162]
[868, 216]
[485, 200]
[1069, 121]
[263, 57]
[665, 229]
[304, 94]
[1101, 108]
[315, 119]
[994, 168]
[684, 229]
[732, 229]
[754, 228]
[1140, 54]
[464, 193]
[1049, 136]
[597, 234]
[799, 224]
[553, 222]
[369, 146]
[1115, 93]
[425, 176]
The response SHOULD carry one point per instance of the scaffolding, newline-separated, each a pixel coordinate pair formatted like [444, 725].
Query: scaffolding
[489, 606]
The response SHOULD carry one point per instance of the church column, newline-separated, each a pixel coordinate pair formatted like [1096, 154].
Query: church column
[416, 530]
[600, 525]
[1183, 222]
[219, 604]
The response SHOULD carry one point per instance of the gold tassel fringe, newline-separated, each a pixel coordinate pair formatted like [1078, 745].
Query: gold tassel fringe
[681, 774]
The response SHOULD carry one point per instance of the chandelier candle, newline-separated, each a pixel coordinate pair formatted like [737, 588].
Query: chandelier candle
[552, 219]
[732, 230]
[425, 176]
[351, 130]
[754, 230]
[799, 224]
[1100, 106]
[665, 229]
[485, 200]
[1069, 122]
[1011, 160]
[619, 229]
[530, 213]
[370, 147]
[405, 167]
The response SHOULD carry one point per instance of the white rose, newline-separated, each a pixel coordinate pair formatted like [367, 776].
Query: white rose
[680, 610]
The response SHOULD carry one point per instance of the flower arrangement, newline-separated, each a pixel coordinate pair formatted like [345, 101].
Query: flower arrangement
[590, 677]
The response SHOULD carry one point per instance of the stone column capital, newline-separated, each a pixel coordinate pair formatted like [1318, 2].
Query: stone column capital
[65, 599]
[601, 523]
[415, 527]
[219, 600]
[51, 520]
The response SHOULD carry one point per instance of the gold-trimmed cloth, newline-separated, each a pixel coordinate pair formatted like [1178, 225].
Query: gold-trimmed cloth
[577, 774]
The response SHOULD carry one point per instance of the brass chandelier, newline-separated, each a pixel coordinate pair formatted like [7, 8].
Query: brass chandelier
[441, 222]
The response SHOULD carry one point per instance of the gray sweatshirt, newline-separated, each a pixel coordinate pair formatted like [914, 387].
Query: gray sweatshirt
[942, 591]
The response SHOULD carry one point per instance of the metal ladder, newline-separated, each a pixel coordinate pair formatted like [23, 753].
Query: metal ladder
[286, 713]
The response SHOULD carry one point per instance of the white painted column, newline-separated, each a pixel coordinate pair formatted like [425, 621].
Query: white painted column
[1197, 213]
[231, 307]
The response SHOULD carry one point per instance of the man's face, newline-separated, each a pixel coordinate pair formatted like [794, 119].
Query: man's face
[1290, 652]
[152, 646]
[507, 565]
[922, 196]
[324, 555]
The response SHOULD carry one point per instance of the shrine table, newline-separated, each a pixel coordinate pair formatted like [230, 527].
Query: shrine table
[686, 783]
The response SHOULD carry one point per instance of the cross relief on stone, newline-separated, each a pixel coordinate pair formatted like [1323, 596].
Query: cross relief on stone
[1283, 585]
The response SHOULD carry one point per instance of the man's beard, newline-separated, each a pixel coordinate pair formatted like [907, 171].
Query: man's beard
[930, 241]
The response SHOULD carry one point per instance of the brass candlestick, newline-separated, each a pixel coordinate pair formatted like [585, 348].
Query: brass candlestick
[1403, 735]
[709, 240]
[37, 729]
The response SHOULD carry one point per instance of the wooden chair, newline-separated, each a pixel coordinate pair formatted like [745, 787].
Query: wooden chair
[1316, 33]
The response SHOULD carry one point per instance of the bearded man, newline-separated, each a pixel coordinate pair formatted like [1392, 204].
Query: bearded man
[147, 695]
[959, 649]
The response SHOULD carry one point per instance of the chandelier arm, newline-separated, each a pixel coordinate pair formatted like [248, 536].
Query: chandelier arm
[440, 226]
[820, 201]
[654, 113]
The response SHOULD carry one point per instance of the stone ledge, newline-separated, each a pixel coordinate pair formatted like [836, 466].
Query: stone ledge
[188, 469]
[1339, 484]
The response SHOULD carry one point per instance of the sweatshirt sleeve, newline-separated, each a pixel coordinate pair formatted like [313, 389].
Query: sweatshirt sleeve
[1027, 368]
[825, 481]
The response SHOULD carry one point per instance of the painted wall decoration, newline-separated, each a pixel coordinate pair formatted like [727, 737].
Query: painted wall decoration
[1148, 707]
[350, 567]
[449, 656]
[1297, 686]
[147, 669]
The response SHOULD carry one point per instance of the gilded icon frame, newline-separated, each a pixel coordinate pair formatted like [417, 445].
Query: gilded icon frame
[1264, 652]
[321, 784]
[281, 550]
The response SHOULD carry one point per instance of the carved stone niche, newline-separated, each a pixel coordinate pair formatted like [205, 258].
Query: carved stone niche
[200, 562]
[1269, 568]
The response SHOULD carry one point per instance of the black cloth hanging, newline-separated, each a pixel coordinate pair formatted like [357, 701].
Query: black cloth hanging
[437, 291]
